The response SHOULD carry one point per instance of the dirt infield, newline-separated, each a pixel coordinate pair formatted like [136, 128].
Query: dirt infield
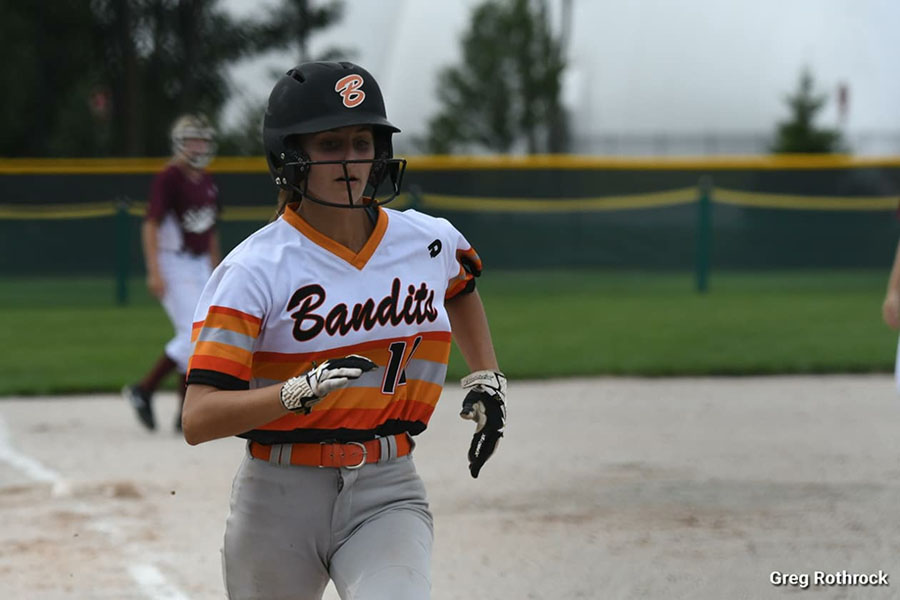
[603, 488]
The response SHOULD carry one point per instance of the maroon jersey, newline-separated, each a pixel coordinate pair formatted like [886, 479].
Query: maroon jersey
[186, 209]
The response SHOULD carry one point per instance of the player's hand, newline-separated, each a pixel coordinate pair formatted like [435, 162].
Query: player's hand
[890, 310]
[486, 405]
[301, 393]
[156, 285]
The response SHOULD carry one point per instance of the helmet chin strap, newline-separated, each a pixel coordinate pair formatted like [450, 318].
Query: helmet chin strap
[305, 193]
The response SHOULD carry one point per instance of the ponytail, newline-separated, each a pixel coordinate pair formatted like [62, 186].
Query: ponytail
[285, 197]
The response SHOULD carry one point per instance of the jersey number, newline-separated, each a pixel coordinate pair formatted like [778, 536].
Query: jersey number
[395, 373]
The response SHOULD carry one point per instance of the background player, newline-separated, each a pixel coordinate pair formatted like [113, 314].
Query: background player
[323, 339]
[181, 246]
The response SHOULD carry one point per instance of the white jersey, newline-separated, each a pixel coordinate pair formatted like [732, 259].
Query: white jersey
[288, 297]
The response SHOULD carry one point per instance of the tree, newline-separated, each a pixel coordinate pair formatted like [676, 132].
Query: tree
[108, 77]
[290, 25]
[293, 22]
[799, 134]
[47, 79]
[161, 58]
[244, 137]
[506, 92]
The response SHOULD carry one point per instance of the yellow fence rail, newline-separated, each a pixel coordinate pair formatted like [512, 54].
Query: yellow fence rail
[673, 197]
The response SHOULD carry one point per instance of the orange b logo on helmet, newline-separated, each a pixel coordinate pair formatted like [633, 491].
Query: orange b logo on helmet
[349, 89]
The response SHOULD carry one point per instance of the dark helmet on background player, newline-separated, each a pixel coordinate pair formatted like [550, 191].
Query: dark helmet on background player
[193, 127]
[318, 96]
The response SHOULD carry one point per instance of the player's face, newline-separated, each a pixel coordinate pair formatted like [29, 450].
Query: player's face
[196, 152]
[196, 146]
[330, 182]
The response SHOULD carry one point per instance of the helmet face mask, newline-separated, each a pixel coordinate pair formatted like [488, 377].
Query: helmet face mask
[323, 96]
[193, 127]
[382, 185]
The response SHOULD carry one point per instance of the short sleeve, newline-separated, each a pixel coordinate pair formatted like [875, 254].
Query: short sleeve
[464, 268]
[227, 323]
[160, 195]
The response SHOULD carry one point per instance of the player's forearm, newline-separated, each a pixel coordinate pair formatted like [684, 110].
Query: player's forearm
[471, 331]
[210, 413]
[150, 243]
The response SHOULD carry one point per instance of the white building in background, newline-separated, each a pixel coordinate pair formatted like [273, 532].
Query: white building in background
[648, 76]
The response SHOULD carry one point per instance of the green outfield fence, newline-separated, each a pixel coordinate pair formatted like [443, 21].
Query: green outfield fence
[82, 216]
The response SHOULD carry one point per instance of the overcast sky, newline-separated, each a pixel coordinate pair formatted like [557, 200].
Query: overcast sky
[640, 66]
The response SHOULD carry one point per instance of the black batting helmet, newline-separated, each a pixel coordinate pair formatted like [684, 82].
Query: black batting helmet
[318, 96]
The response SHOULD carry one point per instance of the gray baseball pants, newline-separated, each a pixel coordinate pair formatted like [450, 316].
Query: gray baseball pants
[292, 528]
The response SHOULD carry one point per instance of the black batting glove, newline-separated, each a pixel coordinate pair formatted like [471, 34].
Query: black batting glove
[486, 405]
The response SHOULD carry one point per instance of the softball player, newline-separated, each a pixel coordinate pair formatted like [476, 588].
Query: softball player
[181, 247]
[323, 339]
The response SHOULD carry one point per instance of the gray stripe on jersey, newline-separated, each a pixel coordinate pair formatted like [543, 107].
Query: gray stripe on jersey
[370, 379]
[422, 370]
[426, 370]
[226, 336]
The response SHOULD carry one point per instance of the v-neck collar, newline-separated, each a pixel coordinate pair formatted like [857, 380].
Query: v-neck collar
[356, 259]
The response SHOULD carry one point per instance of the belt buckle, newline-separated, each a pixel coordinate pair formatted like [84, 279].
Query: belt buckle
[365, 454]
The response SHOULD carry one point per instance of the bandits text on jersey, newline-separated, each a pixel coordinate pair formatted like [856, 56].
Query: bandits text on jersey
[417, 307]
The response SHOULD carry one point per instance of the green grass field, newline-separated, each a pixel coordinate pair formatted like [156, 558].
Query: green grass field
[62, 335]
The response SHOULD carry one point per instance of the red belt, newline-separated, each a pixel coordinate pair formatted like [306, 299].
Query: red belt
[351, 455]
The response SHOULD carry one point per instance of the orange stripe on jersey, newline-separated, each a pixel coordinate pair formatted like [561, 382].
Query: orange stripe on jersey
[383, 344]
[354, 418]
[196, 328]
[455, 285]
[423, 391]
[435, 346]
[226, 351]
[222, 365]
[224, 310]
[365, 407]
[471, 258]
[427, 350]
[227, 318]
[469, 267]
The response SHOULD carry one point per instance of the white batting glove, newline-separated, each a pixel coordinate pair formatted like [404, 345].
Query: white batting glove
[301, 393]
[486, 405]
